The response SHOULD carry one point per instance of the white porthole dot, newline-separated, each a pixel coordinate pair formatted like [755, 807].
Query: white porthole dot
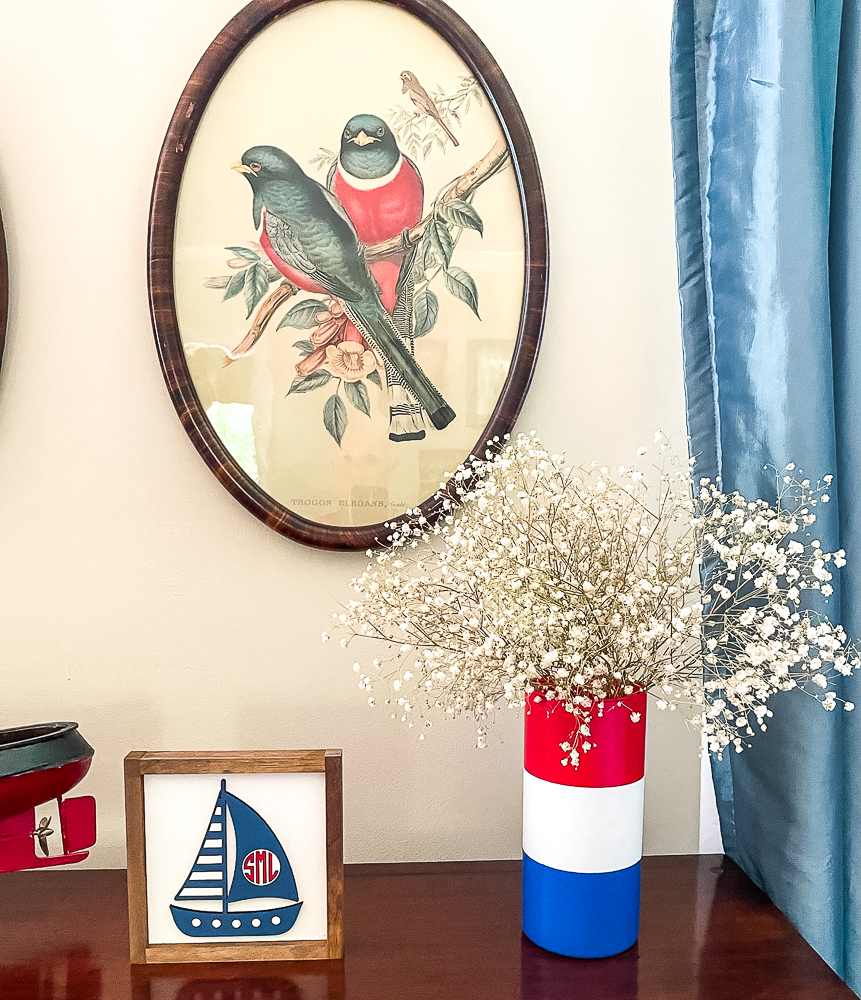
[216, 923]
[255, 922]
[236, 923]
[276, 920]
[196, 922]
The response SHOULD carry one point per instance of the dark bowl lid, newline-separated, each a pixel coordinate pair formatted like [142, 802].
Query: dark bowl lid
[24, 736]
[45, 745]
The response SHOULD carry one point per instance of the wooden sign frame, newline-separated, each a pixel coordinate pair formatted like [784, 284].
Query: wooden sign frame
[138, 764]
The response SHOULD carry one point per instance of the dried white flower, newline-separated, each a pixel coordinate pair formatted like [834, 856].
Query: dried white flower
[578, 586]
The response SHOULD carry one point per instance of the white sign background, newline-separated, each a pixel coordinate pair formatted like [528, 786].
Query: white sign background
[177, 811]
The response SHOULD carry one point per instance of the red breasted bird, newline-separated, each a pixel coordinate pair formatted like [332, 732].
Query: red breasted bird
[380, 188]
[383, 194]
[310, 239]
[424, 102]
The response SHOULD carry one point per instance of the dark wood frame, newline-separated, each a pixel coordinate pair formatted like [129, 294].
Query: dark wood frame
[139, 763]
[216, 61]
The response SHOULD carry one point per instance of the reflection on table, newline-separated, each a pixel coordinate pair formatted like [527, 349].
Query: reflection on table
[426, 932]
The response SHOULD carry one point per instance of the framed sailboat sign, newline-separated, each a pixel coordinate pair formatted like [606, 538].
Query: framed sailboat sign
[357, 306]
[234, 856]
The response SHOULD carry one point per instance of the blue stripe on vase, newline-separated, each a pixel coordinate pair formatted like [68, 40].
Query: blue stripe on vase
[582, 915]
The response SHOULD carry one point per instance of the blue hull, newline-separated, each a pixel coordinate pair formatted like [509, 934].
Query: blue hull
[205, 923]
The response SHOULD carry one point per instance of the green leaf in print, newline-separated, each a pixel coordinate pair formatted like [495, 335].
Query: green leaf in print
[250, 255]
[374, 377]
[274, 274]
[305, 346]
[303, 315]
[235, 285]
[462, 286]
[256, 285]
[335, 417]
[462, 214]
[357, 393]
[324, 158]
[309, 382]
[425, 309]
[416, 270]
[428, 255]
[441, 240]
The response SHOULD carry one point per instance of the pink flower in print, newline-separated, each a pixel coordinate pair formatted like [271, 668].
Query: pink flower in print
[350, 361]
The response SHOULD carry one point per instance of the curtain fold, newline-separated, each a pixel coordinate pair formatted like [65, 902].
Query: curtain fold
[845, 271]
[764, 123]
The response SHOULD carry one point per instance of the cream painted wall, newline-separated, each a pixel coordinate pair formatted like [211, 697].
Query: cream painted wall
[140, 599]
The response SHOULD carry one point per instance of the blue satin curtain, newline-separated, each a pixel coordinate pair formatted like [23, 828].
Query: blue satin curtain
[767, 156]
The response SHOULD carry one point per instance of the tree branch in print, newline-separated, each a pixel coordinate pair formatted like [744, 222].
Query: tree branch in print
[459, 189]
[265, 312]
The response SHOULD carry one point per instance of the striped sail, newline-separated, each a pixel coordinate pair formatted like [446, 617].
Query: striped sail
[208, 876]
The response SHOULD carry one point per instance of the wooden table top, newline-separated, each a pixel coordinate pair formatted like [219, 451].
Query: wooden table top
[422, 932]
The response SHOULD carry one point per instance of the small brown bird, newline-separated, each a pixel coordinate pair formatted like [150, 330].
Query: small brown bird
[424, 102]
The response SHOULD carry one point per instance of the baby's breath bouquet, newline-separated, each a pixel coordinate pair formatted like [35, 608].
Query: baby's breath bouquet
[582, 584]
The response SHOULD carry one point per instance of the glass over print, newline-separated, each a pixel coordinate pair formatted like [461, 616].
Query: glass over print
[357, 304]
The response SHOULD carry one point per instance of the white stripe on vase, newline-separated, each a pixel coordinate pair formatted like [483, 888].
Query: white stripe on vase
[583, 830]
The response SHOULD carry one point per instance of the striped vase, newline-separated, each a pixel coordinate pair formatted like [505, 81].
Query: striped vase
[583, 828]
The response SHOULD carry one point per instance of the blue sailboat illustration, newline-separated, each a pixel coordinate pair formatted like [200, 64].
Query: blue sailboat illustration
[261, 871]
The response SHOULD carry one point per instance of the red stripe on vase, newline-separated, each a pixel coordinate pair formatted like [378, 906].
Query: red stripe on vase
[617, 756]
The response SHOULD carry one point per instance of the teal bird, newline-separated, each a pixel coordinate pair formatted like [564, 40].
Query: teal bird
[310, 239]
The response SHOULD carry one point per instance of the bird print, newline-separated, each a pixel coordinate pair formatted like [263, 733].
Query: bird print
[308, 236]
[382, 192]
[424, 102]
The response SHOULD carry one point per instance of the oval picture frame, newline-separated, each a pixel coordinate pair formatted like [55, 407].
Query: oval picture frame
[317, 466]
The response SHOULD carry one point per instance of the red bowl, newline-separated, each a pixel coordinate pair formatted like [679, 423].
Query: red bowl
[39, 763]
